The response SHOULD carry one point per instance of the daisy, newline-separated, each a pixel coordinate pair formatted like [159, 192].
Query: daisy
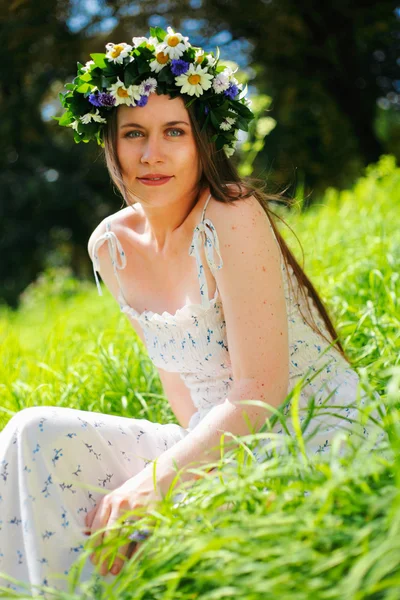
[210, 60]
[175, 44]
[153, 42]
[135, 93]
[199, 56]
[227, 123]
[122, 94]
[117, 52]
[194, 81]
[93, 117]
[160, 59]
[136, 41]
[88, 66]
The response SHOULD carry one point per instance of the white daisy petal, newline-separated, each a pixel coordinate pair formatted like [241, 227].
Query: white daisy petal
[161, 59]
[175, 44]
[117, 52]
[122, 94]
[136, 41]
[88, 66]
[194, 81]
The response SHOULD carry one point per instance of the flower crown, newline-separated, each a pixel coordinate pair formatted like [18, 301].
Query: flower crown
[164, 63]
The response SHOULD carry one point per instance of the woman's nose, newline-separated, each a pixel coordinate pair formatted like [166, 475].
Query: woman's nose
[151, 151]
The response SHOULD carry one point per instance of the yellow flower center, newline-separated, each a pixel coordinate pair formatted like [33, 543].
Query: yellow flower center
[173, 41]
[162, 58]
[122, 92]
[117, 51]
[200, 59]
[194, 79]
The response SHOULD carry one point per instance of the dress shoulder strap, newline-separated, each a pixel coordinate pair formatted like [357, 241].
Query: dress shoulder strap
[205, 206]
[206, 230]
[117, 255]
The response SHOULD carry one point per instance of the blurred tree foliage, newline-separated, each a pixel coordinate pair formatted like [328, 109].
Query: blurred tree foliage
[323, 66]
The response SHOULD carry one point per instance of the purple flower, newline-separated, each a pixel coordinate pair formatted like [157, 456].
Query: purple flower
[232, 91]
[143, 100]
[106, 99]
[206, 109]
[147, 87]
[93, 99]
[179, 66]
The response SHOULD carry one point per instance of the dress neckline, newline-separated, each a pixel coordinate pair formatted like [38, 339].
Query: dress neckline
[185, 311]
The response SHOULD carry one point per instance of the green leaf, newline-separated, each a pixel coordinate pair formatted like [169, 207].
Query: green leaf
[98, 59]
[142, 66]
[190, 102]
[215, 122]
[66, 118]
[160, 33]
[83, 88]
[130, 74]
[206, 122]
[242, 124]
[106, 81]
[242, 109]
[86, 77]
[220, 142]
[69, 86]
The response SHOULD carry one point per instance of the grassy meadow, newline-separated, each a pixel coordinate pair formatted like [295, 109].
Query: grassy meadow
[326, 528]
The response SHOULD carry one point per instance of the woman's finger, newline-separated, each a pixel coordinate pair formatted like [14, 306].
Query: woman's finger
[112, 532]
[90, 517]
[99, 522]
[121, 558]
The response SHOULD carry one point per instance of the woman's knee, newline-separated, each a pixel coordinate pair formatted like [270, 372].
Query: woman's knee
[31, 422]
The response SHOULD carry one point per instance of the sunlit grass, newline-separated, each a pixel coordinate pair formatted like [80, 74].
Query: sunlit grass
[287, 528]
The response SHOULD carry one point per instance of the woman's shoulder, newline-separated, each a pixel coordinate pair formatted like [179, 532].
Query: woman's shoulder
[119, 222]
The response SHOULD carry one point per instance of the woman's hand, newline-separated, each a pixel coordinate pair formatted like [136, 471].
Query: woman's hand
[138, 491]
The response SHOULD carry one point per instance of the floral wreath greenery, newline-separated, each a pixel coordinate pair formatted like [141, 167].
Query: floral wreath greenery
[165, 63]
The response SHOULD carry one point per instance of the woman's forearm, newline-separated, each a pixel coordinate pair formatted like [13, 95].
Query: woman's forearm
[202, 444]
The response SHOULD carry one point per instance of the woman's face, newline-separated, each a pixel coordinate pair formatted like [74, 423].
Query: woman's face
[157, 139]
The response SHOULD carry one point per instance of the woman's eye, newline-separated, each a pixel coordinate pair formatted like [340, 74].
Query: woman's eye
[178, 130]
[131, 134]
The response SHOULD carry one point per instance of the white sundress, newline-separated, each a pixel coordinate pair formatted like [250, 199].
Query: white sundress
[48, 454]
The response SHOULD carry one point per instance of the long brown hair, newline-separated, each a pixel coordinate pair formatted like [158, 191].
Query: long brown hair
[217, 172]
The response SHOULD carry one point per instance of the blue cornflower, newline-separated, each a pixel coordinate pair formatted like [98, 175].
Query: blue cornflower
[94, 99]
[179, 66]
[232, 91]
[143, 100]
[106, 99]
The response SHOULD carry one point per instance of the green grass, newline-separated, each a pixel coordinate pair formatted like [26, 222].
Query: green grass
[288, 528]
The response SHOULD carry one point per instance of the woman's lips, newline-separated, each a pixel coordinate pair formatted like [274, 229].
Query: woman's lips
[160, 181]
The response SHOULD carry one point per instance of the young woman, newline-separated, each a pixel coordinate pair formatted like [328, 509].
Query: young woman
[199, 268]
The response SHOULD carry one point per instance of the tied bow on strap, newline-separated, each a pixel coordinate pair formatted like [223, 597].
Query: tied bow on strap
[115, 249]
[211, 244]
